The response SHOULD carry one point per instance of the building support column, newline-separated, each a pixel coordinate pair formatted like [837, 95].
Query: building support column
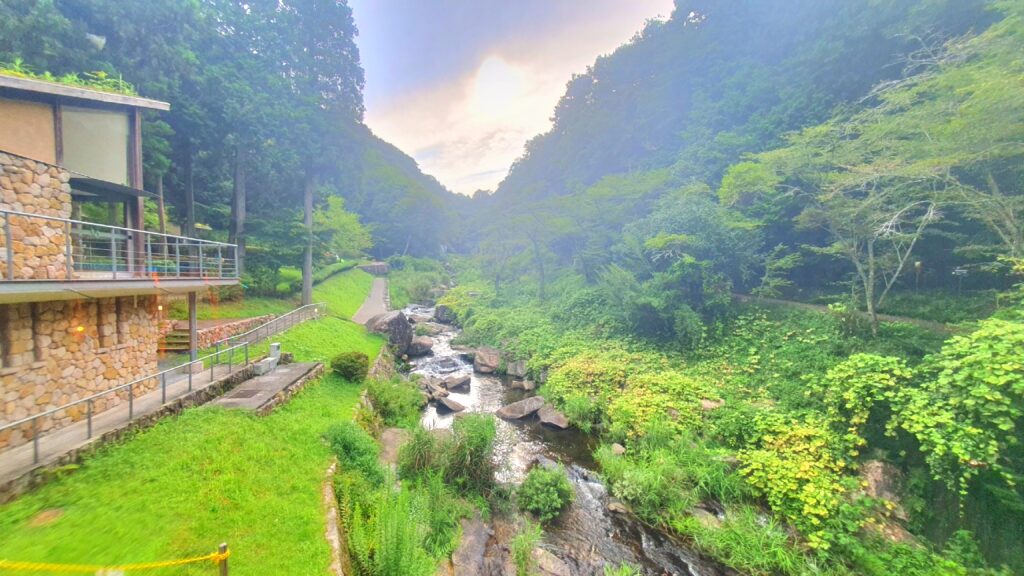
[193, 335]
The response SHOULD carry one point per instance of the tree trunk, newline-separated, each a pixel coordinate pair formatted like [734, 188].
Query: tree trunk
[161, 214]
[190, 197]
[307, 262]
[238, 206]
[869, 289]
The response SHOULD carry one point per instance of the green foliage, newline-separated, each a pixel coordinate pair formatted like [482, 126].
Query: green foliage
[853, 388]
[352, 366]
[98, 80]
[339, 230]
[396, 401]
[969, 409]
[463, 459]
[795, 468]
[387, 538]
[526, 539]
[545, 493]
[412, 280]
[356, 450]
[624, 569]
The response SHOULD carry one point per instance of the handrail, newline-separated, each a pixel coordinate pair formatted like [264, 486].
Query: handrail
[319, 307]
[98, 225]
[89, 400]
[78, 250]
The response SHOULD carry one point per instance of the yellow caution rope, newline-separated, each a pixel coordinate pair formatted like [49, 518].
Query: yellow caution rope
[93, 568]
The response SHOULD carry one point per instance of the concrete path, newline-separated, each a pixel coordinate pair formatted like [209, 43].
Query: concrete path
[255, 393]
[376, 302]
[53, 445]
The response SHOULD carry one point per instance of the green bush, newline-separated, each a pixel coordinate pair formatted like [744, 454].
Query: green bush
[522, 548]
[468, 454]
[355, 449]
[545, 493]
[352, 366]
[396, 401]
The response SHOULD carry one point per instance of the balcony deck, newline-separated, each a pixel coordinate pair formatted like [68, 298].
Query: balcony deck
[48, 258]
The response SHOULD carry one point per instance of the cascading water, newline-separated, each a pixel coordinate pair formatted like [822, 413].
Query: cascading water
[587, 536]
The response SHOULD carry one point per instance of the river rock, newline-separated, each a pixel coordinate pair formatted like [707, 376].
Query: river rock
[444, 314]
[882, 481]
[430, 328]
[420, 345]
[527, 385]
[516, 369]
[397, 328]
[706, 519]
[436, 391]
[465, 352]
[617, 507]
[709, 405]
[450, 405]
[618, 449]
[468, 559]
[457, 381]
[551, 417]
[521, 409]
[486, 360]
[549, 565]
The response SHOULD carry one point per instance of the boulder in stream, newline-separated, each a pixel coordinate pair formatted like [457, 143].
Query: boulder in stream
[457, 381]
[527, 385]
[450, 405]
[551, 417]
[444, 314]
[420, 345]
[486, 360]
[436, 391]
[516, 369]
[397, 328]
[521, 409]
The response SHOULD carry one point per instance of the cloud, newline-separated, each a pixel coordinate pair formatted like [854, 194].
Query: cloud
[468, 129]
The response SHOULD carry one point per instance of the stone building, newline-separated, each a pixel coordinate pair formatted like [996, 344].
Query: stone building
[80, 277]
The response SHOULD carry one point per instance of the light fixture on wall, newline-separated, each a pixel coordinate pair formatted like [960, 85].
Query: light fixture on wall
[79, 328]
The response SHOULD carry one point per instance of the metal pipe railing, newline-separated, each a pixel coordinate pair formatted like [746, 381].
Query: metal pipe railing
[90, 401]
[100, 251]
[277, 325]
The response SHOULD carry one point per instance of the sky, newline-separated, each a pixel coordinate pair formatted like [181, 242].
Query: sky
[461, 85]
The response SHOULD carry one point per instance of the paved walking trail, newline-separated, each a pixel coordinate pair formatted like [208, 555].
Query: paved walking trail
[52, 445]
[375, 303]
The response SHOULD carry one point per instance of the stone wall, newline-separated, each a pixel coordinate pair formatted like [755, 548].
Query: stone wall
[209, 336]
[53, 353]
[38, 245]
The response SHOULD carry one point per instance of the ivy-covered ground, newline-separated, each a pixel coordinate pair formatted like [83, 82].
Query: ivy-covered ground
[773, 412]
[208, 476]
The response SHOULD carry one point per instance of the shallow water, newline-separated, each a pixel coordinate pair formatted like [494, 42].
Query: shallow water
[587, 536]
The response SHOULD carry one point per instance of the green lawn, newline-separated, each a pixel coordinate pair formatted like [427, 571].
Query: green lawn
[208, 475]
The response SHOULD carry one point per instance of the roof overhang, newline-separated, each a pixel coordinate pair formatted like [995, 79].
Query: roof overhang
[53, 89]
[22, 291]
[93, 189]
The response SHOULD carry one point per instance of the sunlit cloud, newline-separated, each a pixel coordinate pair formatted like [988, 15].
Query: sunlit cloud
[468, 129]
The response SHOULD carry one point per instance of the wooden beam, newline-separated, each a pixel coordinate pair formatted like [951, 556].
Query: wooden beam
[65, 91]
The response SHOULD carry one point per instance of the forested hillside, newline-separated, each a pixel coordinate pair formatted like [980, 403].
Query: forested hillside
[266, 99]
[856, 159]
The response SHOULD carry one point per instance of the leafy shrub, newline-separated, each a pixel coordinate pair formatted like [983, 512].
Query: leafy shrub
[387, 539]
[396, 401]
[522, 548]
[420, 454]
[352, 366]
[624, 569]
[469, 465]
[797, 470]
[355, 449]
[545, 493]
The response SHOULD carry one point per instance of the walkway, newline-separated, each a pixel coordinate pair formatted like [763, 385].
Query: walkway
[256, 393]
[376, 302]
[56, 444]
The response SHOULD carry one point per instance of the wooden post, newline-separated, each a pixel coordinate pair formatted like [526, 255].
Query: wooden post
[223, 563]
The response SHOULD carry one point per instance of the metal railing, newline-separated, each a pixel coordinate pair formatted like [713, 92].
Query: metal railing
[275, 326]
[32, 244]
[215, 359]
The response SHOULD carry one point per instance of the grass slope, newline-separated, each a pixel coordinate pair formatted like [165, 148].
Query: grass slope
[208, 475]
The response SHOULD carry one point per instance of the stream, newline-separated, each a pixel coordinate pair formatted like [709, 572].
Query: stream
[587, 536]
